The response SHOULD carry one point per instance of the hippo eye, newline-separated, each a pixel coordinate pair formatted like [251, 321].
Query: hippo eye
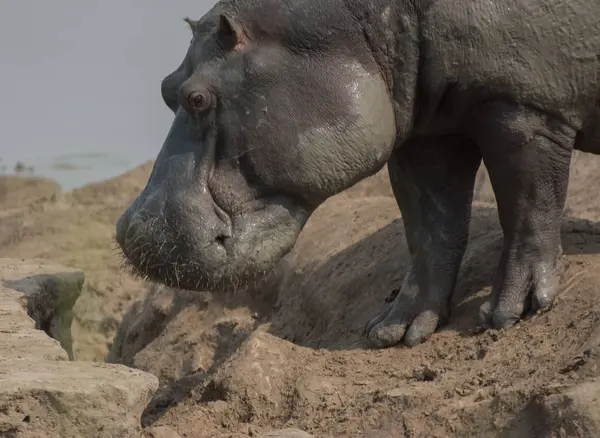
[200, 100]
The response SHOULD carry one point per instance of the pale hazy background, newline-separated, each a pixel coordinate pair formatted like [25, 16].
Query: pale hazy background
[80, 83]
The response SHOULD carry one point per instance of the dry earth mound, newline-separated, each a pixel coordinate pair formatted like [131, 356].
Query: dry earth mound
[292, 353]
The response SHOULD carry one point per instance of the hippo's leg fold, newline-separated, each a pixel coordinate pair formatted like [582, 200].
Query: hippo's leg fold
[527, 154]
[432, 179]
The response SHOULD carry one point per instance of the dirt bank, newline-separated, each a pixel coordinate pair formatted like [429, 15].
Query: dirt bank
[292, 354]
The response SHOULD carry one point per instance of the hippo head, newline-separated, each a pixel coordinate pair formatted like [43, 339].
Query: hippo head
[278, 105]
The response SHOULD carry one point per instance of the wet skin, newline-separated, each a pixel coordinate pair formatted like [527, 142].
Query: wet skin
[274, 116]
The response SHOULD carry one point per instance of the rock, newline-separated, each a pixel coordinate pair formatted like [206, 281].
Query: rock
[71, 399]
[42, 393]
[47, 292]
[287, 433]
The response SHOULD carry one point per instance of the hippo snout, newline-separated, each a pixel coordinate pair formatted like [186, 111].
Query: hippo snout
[160, 234]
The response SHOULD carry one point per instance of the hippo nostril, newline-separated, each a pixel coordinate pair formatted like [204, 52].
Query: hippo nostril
[225, 242]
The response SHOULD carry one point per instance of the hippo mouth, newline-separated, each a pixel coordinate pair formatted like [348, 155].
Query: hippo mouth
[172, 249]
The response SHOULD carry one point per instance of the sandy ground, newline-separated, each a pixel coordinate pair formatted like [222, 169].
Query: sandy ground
[291, 353]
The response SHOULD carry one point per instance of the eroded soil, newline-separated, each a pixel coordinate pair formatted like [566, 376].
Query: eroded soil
[291, 351]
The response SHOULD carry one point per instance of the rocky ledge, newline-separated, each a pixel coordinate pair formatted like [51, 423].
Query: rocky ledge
[42, 392]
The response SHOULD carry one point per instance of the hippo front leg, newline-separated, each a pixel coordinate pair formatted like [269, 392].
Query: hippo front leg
[528, 155]
[432, 179]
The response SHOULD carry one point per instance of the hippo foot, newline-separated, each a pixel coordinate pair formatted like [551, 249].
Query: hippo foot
[521, 290]
[403, 320]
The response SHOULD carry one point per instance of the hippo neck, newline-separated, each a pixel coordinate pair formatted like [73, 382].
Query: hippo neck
[391, 30]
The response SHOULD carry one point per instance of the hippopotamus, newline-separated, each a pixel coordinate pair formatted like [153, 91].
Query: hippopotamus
[280, 104]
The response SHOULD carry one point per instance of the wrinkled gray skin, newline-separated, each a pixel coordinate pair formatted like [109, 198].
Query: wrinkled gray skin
[280, 104]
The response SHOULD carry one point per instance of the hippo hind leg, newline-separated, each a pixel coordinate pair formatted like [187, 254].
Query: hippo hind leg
[528, 155]
[432, 179]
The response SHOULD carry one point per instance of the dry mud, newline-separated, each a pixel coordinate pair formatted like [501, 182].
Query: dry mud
[290, 353]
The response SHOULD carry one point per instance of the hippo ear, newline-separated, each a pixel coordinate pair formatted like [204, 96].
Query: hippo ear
[231, 32]
[191, 23]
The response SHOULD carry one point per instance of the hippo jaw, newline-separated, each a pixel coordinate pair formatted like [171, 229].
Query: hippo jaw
[263, 133]
[208, 250]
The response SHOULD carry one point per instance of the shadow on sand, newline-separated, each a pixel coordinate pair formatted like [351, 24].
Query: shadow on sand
[326, 305]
